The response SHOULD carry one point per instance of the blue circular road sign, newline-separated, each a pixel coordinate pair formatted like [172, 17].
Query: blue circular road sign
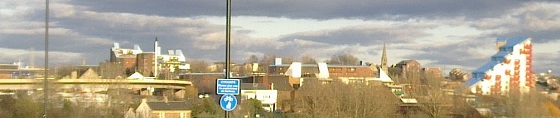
[228, 102]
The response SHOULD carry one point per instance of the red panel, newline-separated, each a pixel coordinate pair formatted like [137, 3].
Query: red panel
[496, 89]
[526, 51]
[515, 78]
[513, 84]
[487, 77]
[528, 46]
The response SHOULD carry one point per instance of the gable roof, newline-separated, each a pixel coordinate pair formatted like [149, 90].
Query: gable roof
[170, 105]
[383, 77]
[89, 74]
[136, 75]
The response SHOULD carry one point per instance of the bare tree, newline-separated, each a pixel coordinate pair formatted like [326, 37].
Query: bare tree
[267, 59]
[306, 59]
[433, 100]
[288, 59]
[198, 66]
[253, 59]
[339, 100]
[524, 105]
[343, 59]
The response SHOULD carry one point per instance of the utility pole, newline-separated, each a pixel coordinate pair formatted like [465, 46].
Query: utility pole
[228, 40]
[45, 81]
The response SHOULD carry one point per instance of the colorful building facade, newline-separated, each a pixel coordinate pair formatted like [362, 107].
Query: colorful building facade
[510, 70]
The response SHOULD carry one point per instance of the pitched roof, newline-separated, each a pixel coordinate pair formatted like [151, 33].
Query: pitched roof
[89, 74]
[404, 62]
[254, 86]
[170, 105]
[280, 83]
[495, 59]
[136, 75]
[514, 41]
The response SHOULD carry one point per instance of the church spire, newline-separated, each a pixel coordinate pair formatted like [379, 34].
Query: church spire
[384, 59]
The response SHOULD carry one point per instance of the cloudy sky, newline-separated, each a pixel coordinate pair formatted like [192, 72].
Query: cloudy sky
[437, 33]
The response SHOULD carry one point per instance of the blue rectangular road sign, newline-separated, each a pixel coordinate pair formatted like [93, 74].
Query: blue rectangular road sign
[227, 86]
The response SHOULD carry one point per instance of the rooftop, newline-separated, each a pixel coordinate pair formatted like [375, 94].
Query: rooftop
[170, 105]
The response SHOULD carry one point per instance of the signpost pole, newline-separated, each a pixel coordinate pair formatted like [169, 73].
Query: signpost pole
[228, 88]
[228, 31]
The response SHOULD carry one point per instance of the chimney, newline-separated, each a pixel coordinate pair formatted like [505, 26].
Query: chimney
[116, 46]
[74, 75]
[255, 67]
[83, 61]
[278, 61]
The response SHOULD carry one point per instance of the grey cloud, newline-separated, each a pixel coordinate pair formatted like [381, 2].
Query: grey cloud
[315, 9]
[461, 53]
[364, 35]
[55, 57]
[536, 20]
[545, 61]
[538, 36]
[139, 22]
[92, 33]
[465, 54]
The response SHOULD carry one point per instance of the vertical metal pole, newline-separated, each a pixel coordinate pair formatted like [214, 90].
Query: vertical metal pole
[45, 81]
[228, 40]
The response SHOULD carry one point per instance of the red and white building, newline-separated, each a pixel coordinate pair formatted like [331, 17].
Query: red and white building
[510, 70]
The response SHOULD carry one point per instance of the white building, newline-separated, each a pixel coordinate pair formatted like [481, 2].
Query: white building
[510, 70]
[268, 98]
